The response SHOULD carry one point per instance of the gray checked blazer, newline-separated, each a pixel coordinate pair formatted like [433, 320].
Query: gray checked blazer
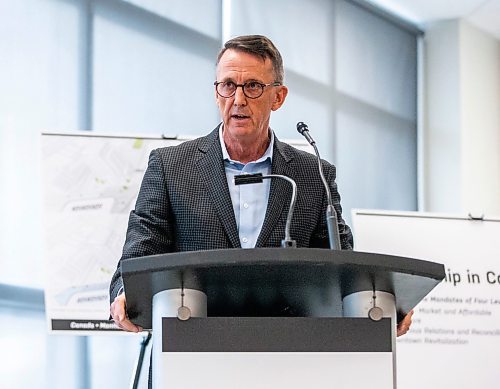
[184, 203]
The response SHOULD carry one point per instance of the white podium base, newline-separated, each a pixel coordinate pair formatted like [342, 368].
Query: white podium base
[273, 370]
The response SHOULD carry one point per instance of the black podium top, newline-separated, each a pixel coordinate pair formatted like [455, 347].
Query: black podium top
[276, 281]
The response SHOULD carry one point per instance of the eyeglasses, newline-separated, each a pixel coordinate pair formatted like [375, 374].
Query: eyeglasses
[251, 89]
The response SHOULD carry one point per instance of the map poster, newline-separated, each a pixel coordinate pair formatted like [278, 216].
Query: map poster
[90, 186]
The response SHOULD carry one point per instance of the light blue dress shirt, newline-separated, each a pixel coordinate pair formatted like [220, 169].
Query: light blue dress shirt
[249, 201]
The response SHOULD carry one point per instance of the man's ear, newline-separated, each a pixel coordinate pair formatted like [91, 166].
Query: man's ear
[280, 97]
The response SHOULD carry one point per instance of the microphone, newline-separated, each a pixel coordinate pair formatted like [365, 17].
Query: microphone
[304, 131]
[331, 214]
[257, 178]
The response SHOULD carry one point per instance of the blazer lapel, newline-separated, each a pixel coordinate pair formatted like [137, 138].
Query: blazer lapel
[279, 194]
[212, 172]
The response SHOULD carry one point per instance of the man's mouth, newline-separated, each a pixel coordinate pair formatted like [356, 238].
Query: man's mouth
[239, 117]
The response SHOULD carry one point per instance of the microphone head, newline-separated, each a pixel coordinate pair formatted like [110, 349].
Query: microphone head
[301, 127]
[244, 179]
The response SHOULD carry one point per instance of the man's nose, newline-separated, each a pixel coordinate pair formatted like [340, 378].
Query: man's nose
[239, 96]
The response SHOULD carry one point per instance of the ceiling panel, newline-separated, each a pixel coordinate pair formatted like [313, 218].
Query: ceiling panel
[487, 17]
[484, 14]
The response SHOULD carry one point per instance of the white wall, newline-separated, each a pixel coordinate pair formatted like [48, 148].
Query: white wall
[480, 109]
[462, 126]
[442, 122]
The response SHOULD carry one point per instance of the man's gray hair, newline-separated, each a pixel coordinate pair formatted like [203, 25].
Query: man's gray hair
[259, 46]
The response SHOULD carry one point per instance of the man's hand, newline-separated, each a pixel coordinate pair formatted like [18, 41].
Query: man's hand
[404, 325]
[119, 314]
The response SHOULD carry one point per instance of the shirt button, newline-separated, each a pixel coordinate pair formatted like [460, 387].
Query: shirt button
[245, 205]
[245, 240]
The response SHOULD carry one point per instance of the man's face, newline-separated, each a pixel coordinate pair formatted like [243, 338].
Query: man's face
[245, 118]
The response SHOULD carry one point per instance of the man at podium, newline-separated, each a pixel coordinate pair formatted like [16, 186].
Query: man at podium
[188, 200]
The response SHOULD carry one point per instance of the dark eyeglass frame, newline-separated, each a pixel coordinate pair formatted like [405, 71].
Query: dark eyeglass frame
[262, 87]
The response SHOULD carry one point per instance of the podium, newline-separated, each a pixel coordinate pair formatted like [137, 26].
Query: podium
[274, 317]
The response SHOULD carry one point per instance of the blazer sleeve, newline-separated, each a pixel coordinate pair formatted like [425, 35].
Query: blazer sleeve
[150, 228]
[346, 238]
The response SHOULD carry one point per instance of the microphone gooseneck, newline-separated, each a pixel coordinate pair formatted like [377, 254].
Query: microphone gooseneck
[331, 214]
[244, 179]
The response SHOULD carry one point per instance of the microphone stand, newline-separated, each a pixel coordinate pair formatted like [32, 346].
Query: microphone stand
[331, 214]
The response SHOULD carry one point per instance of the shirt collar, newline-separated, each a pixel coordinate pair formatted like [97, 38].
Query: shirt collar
[267, 155]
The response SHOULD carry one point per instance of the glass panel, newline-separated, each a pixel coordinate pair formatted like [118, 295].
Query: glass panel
[376, 61]
[303, 34]
[376, 111]
[298, 108]
[39, 91]
[377, 162]
[151, 76]
[203, 16]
